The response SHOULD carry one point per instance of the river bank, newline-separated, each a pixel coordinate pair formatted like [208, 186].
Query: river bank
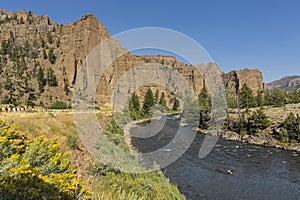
[263, 138]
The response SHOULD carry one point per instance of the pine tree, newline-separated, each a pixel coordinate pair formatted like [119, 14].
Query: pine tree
[156, 96]
[49, 38]
[134, 104]
[148, 102]
[29, 17]
[246, 98]
[45, 54]
[267, 98]
[41, 79]
[278, 98]
[66, 86]
[176, 104]
[51, 56]
[43, 43]
[259, 98]
[231, 99]
[257, 121]
[51, 78]
[21, 20]
[204, 102]
[66, 81]
[162, 100]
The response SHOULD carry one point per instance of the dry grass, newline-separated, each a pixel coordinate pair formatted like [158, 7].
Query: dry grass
[50, 124]
[276, 115]
[112, 186]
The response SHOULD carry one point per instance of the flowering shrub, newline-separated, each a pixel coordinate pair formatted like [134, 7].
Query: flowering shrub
[34, 169]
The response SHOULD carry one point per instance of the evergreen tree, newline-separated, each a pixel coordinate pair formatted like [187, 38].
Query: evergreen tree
[41, 79]
[259, 98]
[30, 100]
[66, 86]
[204, 102]
[267, 98]
[29, 17]
[134, 103]
[66, 81]
[43, 43]
[162, 100]
[148, 102]
[45, 54]
[156, 96]
[246, 98]
[176, 104]
[58, 43]
[134, 106]
[289, 129]
[21, 20]
[51, 78]
[51, 56]
[278, 98]
[293, 96]
[257, 121]
[49, 38]
[231, 99]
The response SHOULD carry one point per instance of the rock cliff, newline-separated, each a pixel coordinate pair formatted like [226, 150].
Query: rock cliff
[31, 43]
[235, 79]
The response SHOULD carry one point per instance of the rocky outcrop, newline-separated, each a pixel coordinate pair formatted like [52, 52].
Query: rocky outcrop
[71, 43]
[234, 80]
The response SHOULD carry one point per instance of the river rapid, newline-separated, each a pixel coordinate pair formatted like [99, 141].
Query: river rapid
[257, 172]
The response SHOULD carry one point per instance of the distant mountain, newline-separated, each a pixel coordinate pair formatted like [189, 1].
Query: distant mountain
[286, 83]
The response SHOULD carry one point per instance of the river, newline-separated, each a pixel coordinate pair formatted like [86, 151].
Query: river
[257, 172]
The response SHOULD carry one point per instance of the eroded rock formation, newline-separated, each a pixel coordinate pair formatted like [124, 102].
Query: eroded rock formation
[72, 43]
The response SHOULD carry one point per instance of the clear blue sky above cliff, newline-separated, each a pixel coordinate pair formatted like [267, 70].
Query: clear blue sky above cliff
[263, 34]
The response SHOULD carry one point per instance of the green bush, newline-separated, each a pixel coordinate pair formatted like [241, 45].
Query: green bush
[59, 105]
[289, 129]
[34, 169]
[72, 142]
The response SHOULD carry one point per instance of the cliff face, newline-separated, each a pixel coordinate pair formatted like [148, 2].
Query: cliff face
[30, 44]
[234, 80]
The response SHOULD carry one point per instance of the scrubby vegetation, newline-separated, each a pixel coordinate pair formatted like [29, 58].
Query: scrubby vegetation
[121, 185]
[34, 169]
[247, 113]
[27, 61]
[289, 129]
[105, 182]
[148, 186]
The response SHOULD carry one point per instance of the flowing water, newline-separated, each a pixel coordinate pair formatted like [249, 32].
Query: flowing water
[257, 172]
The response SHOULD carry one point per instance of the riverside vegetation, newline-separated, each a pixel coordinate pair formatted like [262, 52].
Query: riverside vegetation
[58, 176]
[257, 115]
[35, 70]
[246, 114]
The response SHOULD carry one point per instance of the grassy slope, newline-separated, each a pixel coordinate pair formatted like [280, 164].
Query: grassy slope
[109, 186]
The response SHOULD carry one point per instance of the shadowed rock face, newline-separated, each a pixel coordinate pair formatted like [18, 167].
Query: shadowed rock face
[74, 41]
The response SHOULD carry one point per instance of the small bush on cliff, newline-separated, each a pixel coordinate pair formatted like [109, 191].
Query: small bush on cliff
[34, 169]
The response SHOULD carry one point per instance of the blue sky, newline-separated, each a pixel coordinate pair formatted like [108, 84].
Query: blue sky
[237, 34]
